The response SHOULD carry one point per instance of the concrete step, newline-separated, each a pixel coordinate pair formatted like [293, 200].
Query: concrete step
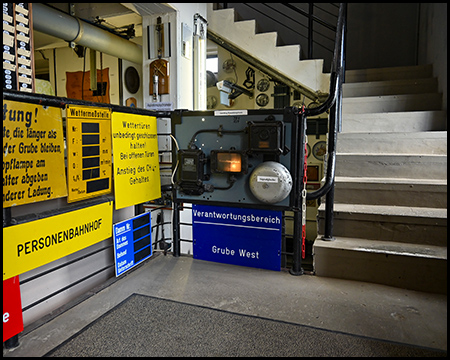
[391, 87]
[247, 26]
[389, 73]
[391, 191]
[405, 224]
[391, 103]
[414, 166]
[430, 142]
[415, 267]
[412, 121]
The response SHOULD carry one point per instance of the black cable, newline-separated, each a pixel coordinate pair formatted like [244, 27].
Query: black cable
[219, 131]
[231, 180]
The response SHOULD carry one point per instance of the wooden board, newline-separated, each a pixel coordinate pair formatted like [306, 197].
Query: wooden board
[160, 67]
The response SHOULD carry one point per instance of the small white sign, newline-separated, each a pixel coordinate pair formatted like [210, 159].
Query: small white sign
[230, 112]
[159, 106]
[267, 179]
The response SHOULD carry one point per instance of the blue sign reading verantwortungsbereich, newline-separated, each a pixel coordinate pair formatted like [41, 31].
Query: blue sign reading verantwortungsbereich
[132, 242]
[238, 236]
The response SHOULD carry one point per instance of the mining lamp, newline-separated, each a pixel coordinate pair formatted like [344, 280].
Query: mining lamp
[228, 161]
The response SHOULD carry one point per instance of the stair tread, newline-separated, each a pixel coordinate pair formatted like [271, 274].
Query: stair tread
[389, 82]
[440, 134]
[392, 103]
[390, 87]
[399, 113]
[390, 154]
[389, 97]
[396, 72]
[389, 210]
[389, 69]
[404, 121]
[384, 247]
[425, 142]
[390, 180]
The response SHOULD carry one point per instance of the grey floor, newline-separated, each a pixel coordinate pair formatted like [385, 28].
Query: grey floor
[357, 308]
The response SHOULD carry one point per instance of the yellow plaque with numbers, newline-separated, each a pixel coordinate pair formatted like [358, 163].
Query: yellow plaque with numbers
[89, 160]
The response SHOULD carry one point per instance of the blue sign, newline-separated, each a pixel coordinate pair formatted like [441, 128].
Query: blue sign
[238, 236]
[132, 242]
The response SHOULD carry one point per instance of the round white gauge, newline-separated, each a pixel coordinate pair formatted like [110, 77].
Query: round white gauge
[270, 182]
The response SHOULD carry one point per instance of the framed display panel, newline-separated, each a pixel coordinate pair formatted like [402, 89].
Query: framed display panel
[251, 136]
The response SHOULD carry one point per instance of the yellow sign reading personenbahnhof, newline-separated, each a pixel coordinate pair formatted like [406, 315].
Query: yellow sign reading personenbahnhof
[33, 154]
[36, 243]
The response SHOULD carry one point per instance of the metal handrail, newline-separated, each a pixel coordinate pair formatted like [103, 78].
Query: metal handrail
[295, 11]
[334, 102]
[334, 99]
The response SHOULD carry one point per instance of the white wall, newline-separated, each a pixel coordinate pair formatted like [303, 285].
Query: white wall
[181, 67]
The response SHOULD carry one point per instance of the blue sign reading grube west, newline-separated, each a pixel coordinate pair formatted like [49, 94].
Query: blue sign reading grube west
[238, 236]
[132, 242]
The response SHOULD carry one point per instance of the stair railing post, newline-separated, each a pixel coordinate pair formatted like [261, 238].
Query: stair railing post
[335, 128]
[176, 227]
[310, 30]
[299, 129]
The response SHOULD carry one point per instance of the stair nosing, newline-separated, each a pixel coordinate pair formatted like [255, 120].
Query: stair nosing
[387, 244]
[389, 210]
[387, 180]
[390, 154]
[393, 96]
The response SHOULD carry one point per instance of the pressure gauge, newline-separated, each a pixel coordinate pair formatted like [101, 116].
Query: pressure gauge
[262, 100]
[270, 182]
[319, 150]
[263, 85]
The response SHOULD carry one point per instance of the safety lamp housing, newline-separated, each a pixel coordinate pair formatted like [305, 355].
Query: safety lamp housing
[228, 161]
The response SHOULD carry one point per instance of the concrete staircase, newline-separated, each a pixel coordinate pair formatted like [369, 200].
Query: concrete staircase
[263, 46]
[390, 212]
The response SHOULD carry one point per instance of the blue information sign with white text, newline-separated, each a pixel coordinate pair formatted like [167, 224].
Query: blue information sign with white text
[238, 236]
[132, 242]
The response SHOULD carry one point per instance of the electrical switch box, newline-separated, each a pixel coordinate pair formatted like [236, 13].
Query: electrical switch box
[191, 172]
[266, 136]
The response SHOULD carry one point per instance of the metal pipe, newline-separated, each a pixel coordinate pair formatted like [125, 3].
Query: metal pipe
[299, 147]
[59, 24]
[334, 99]
[310, 30]
[176, 227]
[331, 159]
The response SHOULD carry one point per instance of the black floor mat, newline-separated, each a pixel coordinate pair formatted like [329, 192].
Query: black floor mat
[148, 326]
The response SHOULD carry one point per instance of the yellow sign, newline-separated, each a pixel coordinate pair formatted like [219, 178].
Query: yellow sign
[88, 139]
[36, 243]
[136, 162]
[33, 154]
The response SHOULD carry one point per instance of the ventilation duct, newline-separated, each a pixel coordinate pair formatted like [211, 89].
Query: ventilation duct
[56, 23]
